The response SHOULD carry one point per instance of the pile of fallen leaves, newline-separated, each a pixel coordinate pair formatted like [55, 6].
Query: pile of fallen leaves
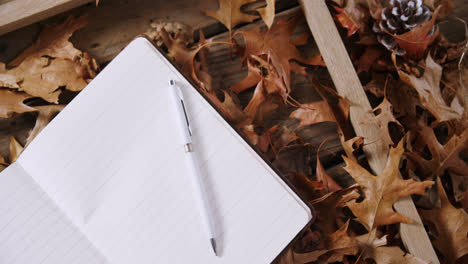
[287, 107]
[35, 80]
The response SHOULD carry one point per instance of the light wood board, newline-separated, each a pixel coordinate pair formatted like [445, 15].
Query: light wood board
[15, 14]
[348, 85]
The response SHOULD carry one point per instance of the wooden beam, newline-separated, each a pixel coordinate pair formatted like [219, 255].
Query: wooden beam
[15, 14]
[349, 86]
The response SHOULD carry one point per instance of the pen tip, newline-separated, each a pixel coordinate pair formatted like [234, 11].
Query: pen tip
[171, 82]
[213, 244]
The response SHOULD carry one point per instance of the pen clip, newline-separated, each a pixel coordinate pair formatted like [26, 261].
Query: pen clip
[186, 117]
[181, 98]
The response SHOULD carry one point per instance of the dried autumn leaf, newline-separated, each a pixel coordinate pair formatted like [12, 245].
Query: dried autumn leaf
[6, 79]
[46, 114]
[53, 42]
[416, 41]
[15, 149]
[384, 115]
[338, 244]
[446, 6]
[253, 78]
[380, 192]
[367, 59]
[3, 163]
[346, 21]
[428, 88]
[322, 176]
[354, 15]
[12, 102]
[268, 13]
[275, 43]
[392, 255]
[443, 157]
[329, 207]
[452, 227]
[351, 145]
[230, 109]
[42, 77]
[312, 113]
[261, 141]
[229, 13]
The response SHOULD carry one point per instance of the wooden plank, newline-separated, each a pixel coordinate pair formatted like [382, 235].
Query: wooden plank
[348, 85]
[19, 13]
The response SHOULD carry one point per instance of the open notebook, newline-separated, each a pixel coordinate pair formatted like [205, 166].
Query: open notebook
[106, 181]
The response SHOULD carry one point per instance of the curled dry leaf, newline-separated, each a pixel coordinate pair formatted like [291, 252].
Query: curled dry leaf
[43, 76]
[13, 102]
[416, 41]
[384, 115]
[329, 207]
[354, 15]
[228, 107]
[443, 157]
[380, 192]
[181, 32]
[367, 59]
[15, 149]
[351, 145]
[275, 43]
[322, 176]
[268, 13]
[313, 113]
[46, 114]
[451, 225]
[229, 13]
[446, 6]
[53, 42]
[338, 244]
[392, 255]
[428, 88]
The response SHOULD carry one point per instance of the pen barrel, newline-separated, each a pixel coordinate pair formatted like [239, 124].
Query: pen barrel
[182, 118]
[200, 194]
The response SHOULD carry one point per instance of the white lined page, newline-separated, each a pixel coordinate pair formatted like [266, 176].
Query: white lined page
[113, 163]
[32, 228]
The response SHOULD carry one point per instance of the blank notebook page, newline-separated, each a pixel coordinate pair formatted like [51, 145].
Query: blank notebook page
[33, 229]
[113, 162]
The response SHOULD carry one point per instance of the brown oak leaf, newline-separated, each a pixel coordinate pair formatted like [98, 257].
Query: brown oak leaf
[444, 157]
[384, 115]
[446, 6]
[329, 207]
[392, 255]
[428, 88]
[53, 41]
[367, 59]
[416, 41]
[451, 225]
[12, 102]
[312, 113]
[351, 145]
[276, 45]
[380, 192]
[46, 114]
[322, 176]
[230, 109]
[337, 245]
[15, 149]
[42, 76]
[268, 13]
[229, 13]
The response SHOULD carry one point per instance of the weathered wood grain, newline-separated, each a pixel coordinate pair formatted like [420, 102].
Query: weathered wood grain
[15, 14]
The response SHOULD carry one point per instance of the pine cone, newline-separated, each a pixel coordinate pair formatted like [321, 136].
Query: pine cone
[400, 17]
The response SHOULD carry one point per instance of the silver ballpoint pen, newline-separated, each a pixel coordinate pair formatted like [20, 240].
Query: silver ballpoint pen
[198, 186]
